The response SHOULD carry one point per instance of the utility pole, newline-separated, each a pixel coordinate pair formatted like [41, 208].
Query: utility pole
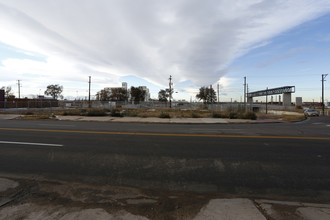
[245, 92]
[267, 101]
[218, 90]
[89, 92]
[323, 79]
[19, 88]
[170, 85]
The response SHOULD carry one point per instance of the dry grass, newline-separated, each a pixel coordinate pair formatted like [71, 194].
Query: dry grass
[285, 117]
[173, 113]
[36, 117]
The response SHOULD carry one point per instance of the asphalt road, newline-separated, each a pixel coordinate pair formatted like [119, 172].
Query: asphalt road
[272, 160]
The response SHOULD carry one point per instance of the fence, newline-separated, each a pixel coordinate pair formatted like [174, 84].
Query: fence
[82, 104]
[21, 103]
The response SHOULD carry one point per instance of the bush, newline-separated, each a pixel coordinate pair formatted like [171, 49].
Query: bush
[116, 113]
[28, 113]
[195, 115]
[130, 113]
[164, 115]
[219, 115]
[249, 115]
[72, 112]
[233, 115]
[96, 112]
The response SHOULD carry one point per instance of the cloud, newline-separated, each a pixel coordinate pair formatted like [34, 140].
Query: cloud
[189, 39]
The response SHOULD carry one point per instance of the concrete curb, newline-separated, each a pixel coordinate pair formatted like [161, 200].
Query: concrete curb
[151, 120]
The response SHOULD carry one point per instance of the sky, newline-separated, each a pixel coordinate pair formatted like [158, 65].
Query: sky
[273, 43]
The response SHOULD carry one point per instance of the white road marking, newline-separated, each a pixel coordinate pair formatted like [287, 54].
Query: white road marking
[217, 129]
[57, 125]
[29, 143]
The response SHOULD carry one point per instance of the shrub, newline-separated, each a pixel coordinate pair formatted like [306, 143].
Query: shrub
[219, 115]
[28, 113]
[249, 115]
[130, 113]
[164, 115]
[195, 115]
[96, 112]
[116, 113]
[71, 112]
[233, 115]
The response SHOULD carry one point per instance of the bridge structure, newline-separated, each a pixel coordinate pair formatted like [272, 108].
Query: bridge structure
[285, 90]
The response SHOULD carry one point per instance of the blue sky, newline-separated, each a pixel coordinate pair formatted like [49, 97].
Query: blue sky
[200, 43]
[297, 57]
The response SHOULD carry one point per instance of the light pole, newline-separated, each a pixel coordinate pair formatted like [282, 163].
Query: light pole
[19, 88]
[89, 92]
[323, 79]
[170, 86]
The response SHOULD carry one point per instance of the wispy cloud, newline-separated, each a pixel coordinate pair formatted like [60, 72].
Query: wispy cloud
[191, 40]
[326, 39]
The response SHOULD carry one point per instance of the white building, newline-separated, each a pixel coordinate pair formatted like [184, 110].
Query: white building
[124, 86]
[147, 96]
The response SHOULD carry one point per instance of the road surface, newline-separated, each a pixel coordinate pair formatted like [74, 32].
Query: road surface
[273, 160]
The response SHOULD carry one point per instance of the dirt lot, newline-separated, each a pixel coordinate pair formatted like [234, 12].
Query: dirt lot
[45, 199]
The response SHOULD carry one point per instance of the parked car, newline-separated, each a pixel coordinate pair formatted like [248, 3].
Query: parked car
[311, 112]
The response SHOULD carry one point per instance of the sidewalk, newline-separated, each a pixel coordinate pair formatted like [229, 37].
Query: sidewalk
[167, 120]
[38, 199]
[151, 119]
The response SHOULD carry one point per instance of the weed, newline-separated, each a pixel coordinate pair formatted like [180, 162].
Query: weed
[195, 115]
[116, 113]
[249, 115]
[96, 112]
[219, 115]
[233, 115]
[28, 113]
[164, 115]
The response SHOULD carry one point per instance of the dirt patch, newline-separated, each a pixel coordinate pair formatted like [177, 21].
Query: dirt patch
[66, 200]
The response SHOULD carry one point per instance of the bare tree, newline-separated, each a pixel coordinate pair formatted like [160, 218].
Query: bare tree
[8, 92]
[55, 91]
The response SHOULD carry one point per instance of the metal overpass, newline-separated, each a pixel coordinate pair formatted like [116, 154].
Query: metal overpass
[285, 90]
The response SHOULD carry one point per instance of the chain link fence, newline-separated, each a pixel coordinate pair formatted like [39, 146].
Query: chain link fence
[44, 105]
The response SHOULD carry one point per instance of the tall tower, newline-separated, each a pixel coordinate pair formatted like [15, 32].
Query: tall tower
[124, 85]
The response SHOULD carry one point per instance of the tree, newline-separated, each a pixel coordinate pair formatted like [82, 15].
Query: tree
[163, 95]
[8, 92]
[137, 94]
[118, 94]
[55, 91]
[207, 94]
[103, 95]
[112, 94]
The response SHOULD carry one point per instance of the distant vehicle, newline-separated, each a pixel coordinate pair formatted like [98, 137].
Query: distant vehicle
[311, 112]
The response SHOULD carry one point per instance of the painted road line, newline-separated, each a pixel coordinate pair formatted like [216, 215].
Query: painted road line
[54, 125]
[29, 143]
[165, 134]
